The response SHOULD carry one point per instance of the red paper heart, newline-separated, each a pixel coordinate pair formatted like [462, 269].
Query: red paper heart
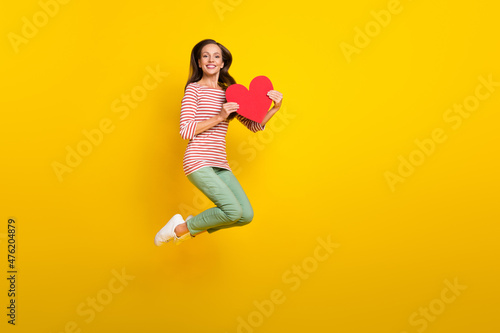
[253, 103]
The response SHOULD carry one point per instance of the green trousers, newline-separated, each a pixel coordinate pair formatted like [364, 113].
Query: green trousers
[232, 209]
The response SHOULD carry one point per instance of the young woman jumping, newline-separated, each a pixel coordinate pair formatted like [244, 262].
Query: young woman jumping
[204, 121]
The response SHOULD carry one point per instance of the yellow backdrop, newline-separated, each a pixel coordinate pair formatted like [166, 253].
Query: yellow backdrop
[375, 187]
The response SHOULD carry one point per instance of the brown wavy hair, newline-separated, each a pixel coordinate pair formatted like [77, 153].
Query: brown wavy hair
[196, 73]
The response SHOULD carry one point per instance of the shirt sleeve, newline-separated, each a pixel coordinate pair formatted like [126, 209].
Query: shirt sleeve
[189, 108]
[250, 124]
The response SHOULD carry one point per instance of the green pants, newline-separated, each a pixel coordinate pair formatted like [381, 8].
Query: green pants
[232, 209]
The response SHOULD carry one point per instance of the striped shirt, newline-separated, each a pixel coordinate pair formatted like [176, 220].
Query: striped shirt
[208, 148]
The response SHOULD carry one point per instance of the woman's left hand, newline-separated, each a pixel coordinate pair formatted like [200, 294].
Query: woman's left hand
[277, 97]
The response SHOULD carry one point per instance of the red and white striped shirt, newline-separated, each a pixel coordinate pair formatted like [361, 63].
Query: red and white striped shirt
[208, 148]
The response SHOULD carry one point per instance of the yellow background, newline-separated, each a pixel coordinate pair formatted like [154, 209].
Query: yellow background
[319, 172]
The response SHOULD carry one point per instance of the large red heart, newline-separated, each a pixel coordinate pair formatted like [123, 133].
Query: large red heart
[253, 103]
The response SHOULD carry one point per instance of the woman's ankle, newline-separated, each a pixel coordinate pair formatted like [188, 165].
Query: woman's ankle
[181, 229]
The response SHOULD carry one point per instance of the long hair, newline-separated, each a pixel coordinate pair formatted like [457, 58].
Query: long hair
[196, 73]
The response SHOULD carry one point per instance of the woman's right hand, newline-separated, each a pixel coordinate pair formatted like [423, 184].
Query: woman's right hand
[227, 109]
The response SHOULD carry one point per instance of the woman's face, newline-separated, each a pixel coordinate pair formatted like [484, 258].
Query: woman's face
[211, 59]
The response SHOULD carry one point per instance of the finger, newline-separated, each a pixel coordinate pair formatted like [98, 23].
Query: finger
[275, 93]
[275, 97]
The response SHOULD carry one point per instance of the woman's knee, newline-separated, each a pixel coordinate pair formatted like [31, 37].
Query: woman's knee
[233, 212]
[247, 215]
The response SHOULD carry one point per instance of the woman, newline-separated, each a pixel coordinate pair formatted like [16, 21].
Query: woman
[204, 121]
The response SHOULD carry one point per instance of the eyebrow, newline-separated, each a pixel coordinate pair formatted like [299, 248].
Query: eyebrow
[209, 53]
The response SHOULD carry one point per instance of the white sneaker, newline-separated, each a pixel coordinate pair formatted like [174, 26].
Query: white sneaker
[186, 236]
[167, 233]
